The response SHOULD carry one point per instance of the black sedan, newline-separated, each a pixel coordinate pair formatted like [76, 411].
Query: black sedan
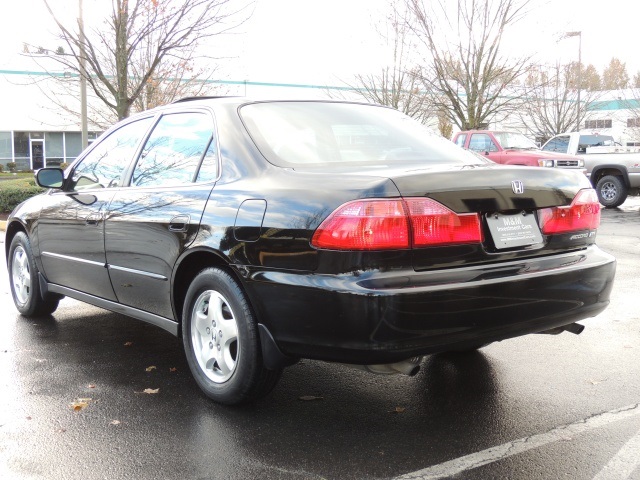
[263, 232]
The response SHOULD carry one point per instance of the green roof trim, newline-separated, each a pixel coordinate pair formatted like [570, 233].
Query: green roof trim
[219, 82]
[619, 104]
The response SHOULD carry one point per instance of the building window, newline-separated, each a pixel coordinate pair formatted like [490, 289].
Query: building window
[633, 122]
[6, 148]
[53, 148]
[597, 124]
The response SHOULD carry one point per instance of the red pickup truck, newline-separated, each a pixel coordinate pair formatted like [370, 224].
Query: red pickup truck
[512, 148]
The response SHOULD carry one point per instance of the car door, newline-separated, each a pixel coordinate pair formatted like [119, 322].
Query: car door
[151, 222]
[483, 144]
[70, 229]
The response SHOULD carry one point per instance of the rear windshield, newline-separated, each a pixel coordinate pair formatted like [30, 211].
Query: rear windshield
[310, 134]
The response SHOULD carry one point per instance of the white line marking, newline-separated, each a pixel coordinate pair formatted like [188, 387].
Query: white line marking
[493, 454]
[622, 466]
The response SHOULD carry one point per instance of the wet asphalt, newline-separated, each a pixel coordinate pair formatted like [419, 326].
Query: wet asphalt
[73, 403]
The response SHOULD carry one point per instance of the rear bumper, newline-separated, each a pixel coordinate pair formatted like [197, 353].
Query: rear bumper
[381, 317]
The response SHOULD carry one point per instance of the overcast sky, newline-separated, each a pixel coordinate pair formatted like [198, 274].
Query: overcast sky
[324, 41]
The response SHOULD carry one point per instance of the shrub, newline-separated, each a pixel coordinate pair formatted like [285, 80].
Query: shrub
[1, 168]
[64, 165]
[14, 192]
[12, 166]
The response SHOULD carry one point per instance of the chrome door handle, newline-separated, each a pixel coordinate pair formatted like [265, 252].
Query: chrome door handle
[93, 219]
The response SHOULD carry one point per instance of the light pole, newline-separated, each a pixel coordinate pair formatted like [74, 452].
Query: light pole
[83, 79]
[579, 35]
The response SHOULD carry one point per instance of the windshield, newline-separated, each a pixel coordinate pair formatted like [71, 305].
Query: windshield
[515, 140]
[313, 134]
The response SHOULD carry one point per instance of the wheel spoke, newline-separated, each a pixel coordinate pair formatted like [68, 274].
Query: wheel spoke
[207, 356]
[228, 329]
[202, 321]
[226, 364]
[216, 305]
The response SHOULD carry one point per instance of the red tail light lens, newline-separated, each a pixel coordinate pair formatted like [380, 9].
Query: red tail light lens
[395, 224]
[365, 225]
[582, 214]
[435, 224]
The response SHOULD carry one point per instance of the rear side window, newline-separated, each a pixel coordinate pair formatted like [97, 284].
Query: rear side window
[460, 140]
[105, 163]
[175, 149]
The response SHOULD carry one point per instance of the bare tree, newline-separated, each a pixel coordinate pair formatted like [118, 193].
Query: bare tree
[139, 44]
[171, 80]
[552, 102]
[398, 85]
[466, 74]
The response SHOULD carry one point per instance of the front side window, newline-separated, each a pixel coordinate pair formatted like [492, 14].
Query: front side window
[105, 163]
[460, 140]
[481, 142]
[175, 149]
[558, 144]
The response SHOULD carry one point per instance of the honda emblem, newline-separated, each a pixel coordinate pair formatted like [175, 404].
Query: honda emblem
[517, 186]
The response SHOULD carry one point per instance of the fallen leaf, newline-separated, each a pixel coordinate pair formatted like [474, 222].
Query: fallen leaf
[114, 422]
[79, 405]
[128, 344]
[91, 386]
[151, 390]
[173, 369]
[28, 418]
[398, 410]
[596, 382]
[149, 369]
[309, 398]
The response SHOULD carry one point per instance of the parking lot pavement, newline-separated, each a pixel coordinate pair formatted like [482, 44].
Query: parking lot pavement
[72, 391]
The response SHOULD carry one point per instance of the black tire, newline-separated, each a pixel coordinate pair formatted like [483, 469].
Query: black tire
[611, 190]
[23, 276]
[222, 344]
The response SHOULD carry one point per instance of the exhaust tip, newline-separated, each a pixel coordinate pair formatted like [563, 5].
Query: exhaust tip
[574, 328]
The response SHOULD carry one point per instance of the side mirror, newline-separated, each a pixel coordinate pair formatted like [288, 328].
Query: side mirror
[50, 177]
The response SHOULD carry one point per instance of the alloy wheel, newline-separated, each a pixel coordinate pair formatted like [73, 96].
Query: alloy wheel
[214, 335]
[21, 275]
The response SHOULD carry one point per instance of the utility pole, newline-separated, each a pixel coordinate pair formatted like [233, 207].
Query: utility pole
[83, 80]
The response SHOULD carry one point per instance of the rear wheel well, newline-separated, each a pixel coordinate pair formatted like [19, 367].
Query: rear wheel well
[187, 271]
[12, 229]
[603, 172]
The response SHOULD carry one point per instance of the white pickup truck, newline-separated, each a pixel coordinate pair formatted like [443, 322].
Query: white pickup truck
[614, 170]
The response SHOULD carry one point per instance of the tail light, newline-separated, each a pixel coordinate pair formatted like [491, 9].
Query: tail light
[435, 224]
[582, 214]
[395, 224]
